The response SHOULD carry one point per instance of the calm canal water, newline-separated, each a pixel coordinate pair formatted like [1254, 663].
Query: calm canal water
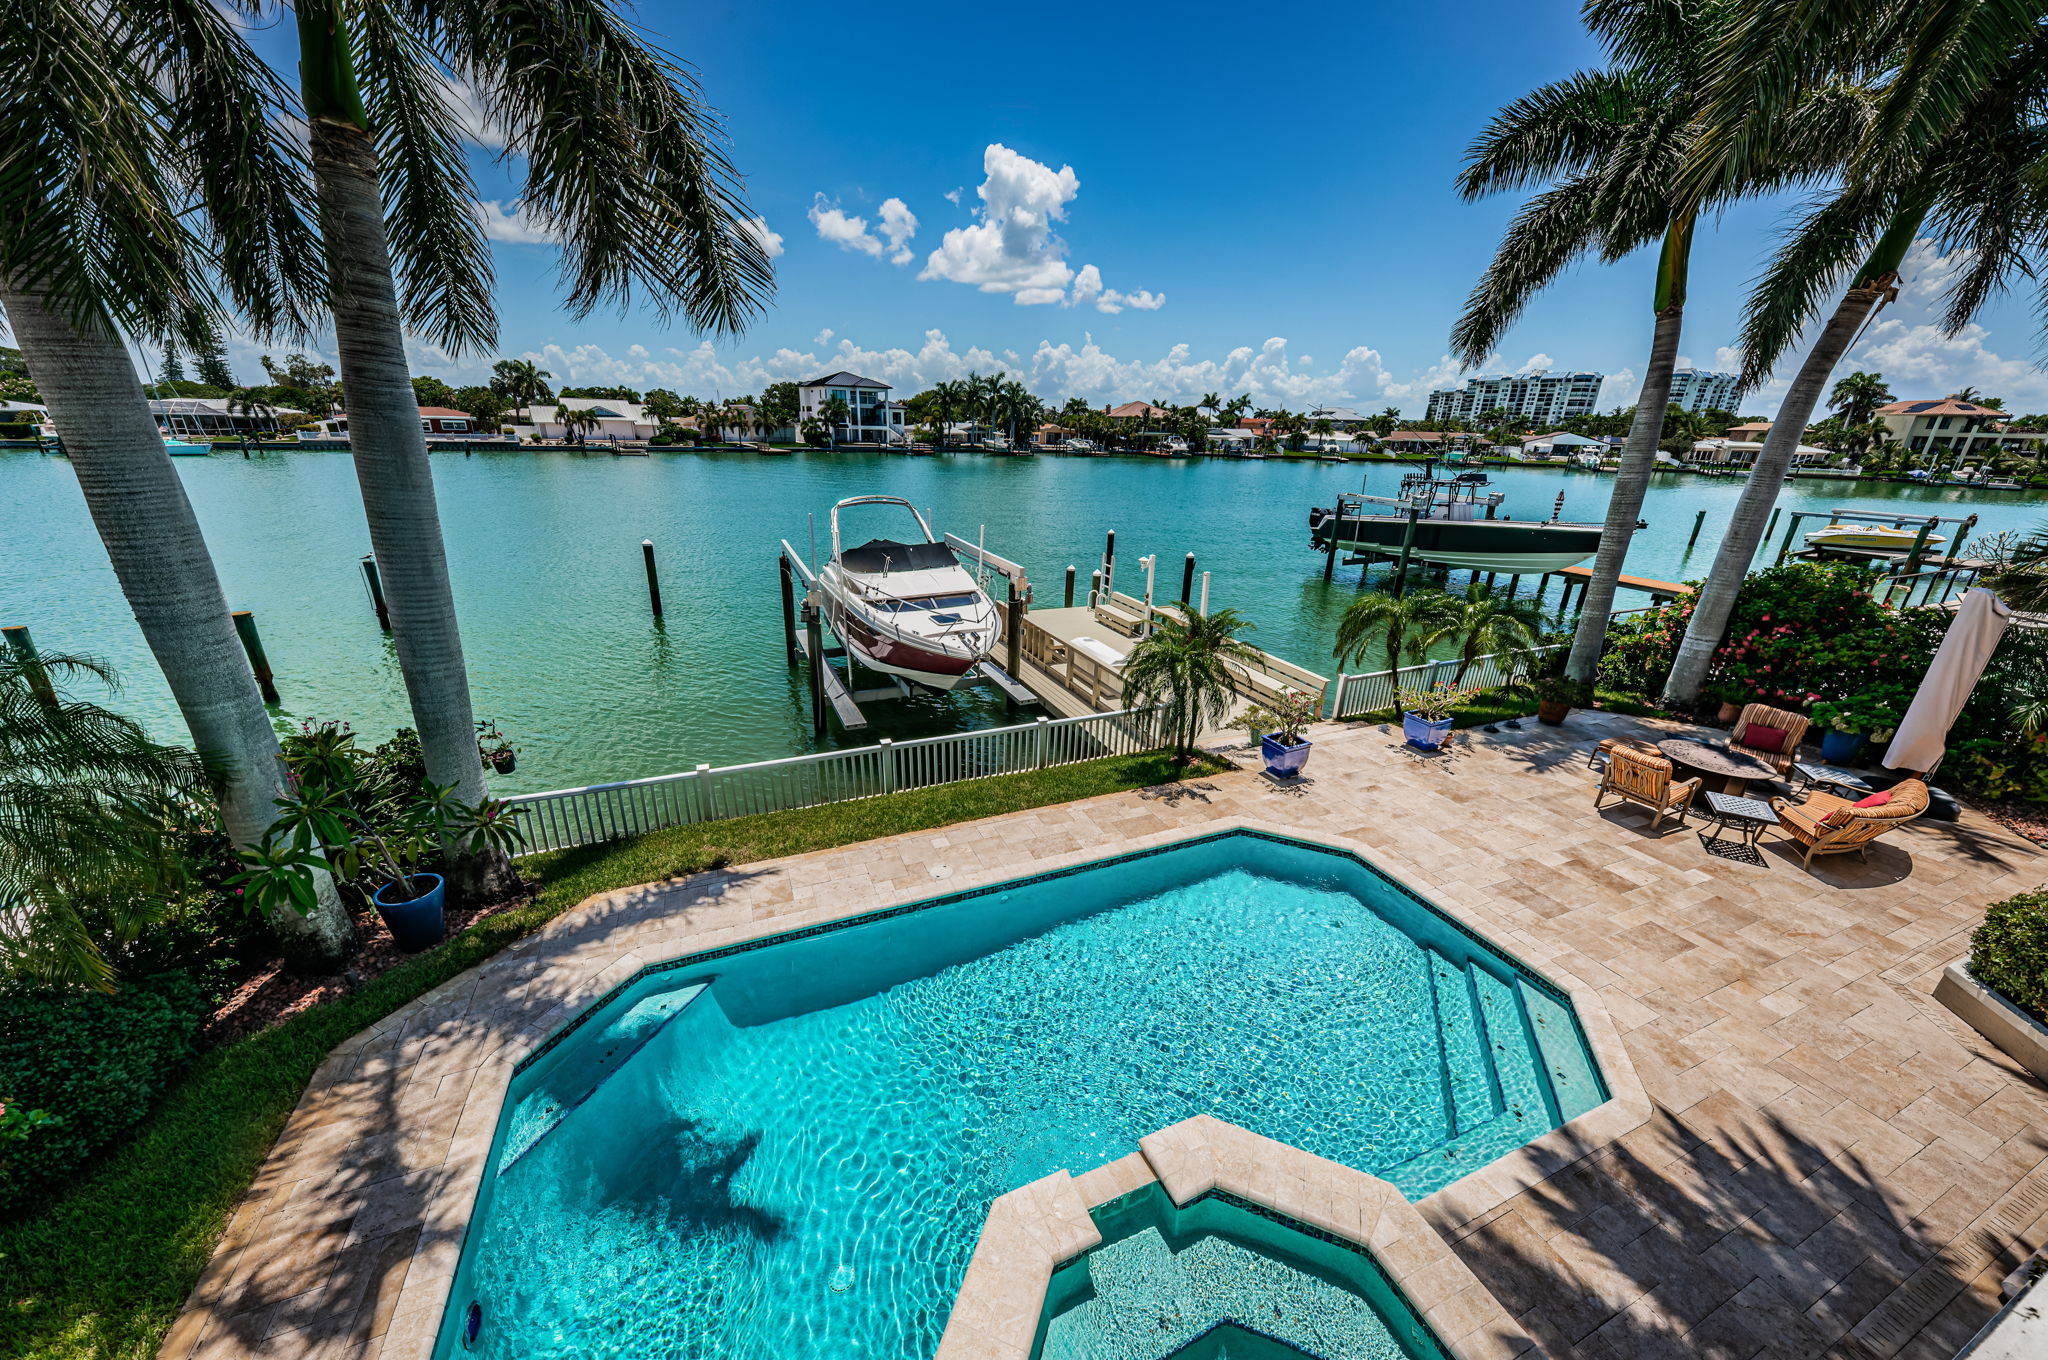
[545, 552]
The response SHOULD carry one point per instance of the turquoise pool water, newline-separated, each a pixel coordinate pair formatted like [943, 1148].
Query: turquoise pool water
[1219, 1279]
[787, 1149]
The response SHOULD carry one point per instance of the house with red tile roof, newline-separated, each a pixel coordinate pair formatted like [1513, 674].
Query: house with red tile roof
[1967, 429]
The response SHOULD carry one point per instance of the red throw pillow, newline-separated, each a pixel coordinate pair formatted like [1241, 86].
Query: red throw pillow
[1761, 738]
[1874, 800]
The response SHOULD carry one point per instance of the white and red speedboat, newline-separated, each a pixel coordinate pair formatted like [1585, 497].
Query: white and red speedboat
[906, 607]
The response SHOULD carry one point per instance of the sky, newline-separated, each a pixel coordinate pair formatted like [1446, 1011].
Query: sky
[1143, 202]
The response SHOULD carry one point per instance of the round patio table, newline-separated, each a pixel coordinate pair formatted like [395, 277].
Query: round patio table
[1732, 768]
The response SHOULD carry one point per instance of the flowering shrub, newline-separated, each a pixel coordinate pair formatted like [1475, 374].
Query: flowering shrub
[1875, 712]
[1435, 703]
[1293, 711]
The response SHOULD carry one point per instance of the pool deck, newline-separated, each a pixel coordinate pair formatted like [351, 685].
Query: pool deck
[1831, 1163]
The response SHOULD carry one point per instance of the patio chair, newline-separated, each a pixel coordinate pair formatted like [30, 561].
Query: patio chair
[1645, 780]
[1607, 745]
[1776, 751]
[1827, 825]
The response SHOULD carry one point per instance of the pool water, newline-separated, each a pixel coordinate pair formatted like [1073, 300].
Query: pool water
[788, 1149]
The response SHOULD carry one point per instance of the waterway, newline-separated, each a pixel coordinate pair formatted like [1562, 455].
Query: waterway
[544, 550]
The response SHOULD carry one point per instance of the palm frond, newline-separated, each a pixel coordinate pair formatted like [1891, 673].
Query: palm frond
[437, 244]
[1812, 264]
[625, 160]
[1551, 231]
[1561, 129]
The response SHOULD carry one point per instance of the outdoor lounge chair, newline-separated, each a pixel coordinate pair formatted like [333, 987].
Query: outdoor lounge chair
[1606, 747]
[1766, 719]
[1827, 825]
[1645, 780]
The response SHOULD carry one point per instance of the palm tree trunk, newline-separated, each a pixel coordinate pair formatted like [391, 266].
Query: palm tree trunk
[391, 452]
[153, 540]
[1870, 290]
[1638, 456]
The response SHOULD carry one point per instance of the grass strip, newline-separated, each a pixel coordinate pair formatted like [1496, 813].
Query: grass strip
[102, 1271]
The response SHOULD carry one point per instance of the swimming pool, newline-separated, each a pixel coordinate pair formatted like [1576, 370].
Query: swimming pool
[787, 1148]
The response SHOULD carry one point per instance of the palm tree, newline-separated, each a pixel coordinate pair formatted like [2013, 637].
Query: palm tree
[1610, 144]
[574, 422]
[1486, 623]
[1212, 402]
[523, 382]
[1858, 396]
[835, 413]
[1401, 624]
[241, 402]
[1976, 179]
[1184, 666]
[176, 129]
[598, 118]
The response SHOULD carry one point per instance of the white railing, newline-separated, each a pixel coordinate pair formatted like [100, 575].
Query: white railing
[601, 812]
[1371, 692]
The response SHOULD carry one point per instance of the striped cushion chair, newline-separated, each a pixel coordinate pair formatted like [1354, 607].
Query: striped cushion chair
[1778, 752]
[1827, 825]
[1645, 780]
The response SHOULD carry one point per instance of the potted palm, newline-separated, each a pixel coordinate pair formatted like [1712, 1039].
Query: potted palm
[1558, 695]
[1182, 667]
[1426, 714]
[1278, 730]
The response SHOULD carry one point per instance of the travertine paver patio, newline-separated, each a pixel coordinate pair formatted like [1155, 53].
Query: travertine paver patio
[1833, 1165]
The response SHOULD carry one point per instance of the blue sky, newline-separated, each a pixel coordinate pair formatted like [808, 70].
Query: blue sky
[1145, 202]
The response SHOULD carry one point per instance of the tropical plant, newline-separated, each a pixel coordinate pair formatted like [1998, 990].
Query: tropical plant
[575, 421]
[778, 406]
[1857, 396]
[1434, 702]
[2022, 576]
[1876, 712]
[521, 382]
[1398, 623]
[1184, 666]
[1967, 171]
[835, 415]
[152, 180]
[1486, 623]
[1285, 719]
[87, 802]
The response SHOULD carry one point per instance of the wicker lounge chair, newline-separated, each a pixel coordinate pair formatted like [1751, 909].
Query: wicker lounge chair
[1764, 716]
[1827, 825]
[1645, 780]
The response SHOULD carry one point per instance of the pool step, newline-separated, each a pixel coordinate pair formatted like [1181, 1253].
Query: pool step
[1475, 1099]
[1516, 1065]
[1573, 1080]
[571, 1072]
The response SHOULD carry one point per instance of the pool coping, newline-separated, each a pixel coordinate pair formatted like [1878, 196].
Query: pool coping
[1035, 1229]
[450, 1193]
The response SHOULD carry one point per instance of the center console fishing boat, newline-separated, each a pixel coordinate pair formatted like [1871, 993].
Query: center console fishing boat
[1456, 524]
[905, 606]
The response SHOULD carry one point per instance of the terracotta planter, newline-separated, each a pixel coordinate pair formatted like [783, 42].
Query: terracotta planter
[1551, 712]
[1728, 714]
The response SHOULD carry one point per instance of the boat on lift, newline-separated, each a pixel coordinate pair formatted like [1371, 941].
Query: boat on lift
[1884, 537]
[1456, 525]
[905, 606]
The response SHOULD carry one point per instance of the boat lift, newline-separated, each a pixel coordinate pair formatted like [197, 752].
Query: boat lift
[1907, 564]
[833, 695]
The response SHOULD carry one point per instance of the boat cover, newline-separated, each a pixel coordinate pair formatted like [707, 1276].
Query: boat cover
[878, 555]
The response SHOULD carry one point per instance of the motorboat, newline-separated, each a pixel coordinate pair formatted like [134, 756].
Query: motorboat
[1080, 447]
[905, 606]
[1883, 537]
[1456, 524]
[181, 448]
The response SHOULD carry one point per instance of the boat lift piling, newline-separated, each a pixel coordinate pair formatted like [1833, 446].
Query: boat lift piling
[1698, 521]
[653, 579]
[376, 585]
[259, 664]
[1187, 581]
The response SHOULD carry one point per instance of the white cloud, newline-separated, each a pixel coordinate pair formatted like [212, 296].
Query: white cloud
[952, 196]
[898, 224]
[823, 337]
[1619, 389]
[1535, 362]
[771, 241]
[515, 224]
[1088, 290]
[462, 100]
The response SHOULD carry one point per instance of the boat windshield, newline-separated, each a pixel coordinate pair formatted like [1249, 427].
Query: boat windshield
[933, 603]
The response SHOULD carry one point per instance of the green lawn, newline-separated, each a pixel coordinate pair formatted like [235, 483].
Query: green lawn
[1491, 706]
[101, 1273]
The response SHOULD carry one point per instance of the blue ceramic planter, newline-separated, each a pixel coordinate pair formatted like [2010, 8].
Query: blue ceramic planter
[1283, 761]
[1837, 748]
[416, 924]
[1425, 734]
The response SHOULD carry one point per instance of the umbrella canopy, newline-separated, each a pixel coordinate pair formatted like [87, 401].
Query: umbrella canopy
[1980, 622]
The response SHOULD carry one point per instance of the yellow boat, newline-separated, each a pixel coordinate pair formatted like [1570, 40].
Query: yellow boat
[1883, 537]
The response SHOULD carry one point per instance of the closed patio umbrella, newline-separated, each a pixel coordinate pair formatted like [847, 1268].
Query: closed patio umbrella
[1980, 621]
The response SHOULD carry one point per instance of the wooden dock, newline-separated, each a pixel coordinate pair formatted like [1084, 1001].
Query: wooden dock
[1660, 592]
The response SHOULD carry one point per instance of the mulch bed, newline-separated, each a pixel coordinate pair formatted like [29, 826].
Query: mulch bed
[271, 996]
[2025, 819]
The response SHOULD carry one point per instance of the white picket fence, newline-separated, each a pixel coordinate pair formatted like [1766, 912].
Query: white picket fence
[564, 818]
[1375, 690]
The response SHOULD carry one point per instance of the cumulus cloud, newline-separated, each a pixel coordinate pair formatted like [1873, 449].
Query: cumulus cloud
[771, 241]
[514, 224]
[898, 224]
[475, 125]
[1013, 248]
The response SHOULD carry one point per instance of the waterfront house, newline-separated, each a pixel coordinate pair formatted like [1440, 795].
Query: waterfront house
[211, 418]
[437, 423]
[1963, 428]
[871, 417]
[605, 420]
[1434, 441]
[1752, 430]
[1742, 453]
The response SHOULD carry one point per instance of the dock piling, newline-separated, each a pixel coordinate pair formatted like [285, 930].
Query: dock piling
[1094, 588]
[1697, 521]
[1407, 548]
[1109, 564]
[1013, 639]
[376, 584]
[788, 609]
[814, 638]
[252, 643]
[653, 578]
[1187, 581]
[1070, 586]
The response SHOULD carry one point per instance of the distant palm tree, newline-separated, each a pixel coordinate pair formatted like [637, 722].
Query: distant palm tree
[575, 423]
[1486, 623]
[1858, 396]
[1183, 666]
[525, 383]
[85, 851]
[835, 413]
[1212, 402]
[1398, 623]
